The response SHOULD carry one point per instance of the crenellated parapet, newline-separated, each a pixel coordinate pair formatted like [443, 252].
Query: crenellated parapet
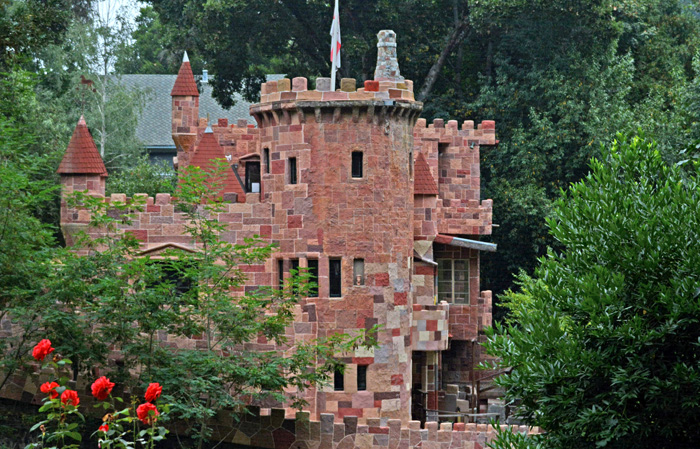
[452, 156]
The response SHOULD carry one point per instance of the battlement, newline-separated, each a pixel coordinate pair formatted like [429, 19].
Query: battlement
[296, 89]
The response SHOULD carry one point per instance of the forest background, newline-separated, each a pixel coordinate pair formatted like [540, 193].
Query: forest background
[559, 77]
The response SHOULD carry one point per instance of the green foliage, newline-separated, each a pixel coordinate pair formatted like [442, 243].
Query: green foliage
[144, 177]
[604, 345]
[128, 303]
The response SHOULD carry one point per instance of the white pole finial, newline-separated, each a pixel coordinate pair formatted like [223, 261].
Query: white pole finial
[185, 58]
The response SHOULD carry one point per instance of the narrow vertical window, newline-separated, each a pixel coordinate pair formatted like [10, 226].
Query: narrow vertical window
[266, 156]
[294, 270]
[361, 377]
[338, 380]
[252, 177]
[410, 164]
[334, 278]
[313, 277]
[357, 164]
[280, 274]
[292, 170]
[358, 272]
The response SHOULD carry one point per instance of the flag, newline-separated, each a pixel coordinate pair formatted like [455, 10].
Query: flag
[335, 44]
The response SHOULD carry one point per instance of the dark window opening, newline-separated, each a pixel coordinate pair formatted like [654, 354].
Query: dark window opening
[334, 278]
[266, 156]
[280, 274]
[313, 277]
[358, 272]
[410, 164]
[172, 276]
[252, 177]
[338, 380]
[292, 170]
[357, 164]
[294, 271]
[361, 377]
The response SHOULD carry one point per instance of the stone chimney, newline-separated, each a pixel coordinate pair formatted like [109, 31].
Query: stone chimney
[387, 64]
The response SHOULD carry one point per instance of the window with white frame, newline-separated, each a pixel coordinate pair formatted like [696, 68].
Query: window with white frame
[453, 280]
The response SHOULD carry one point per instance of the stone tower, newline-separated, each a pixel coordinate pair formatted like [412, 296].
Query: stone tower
[338, 168]
[185, 116]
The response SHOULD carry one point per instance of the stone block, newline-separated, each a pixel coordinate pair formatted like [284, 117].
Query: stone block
[299, 84]
[348, 84]
[284, 85]
[323, 84]
[371, 86]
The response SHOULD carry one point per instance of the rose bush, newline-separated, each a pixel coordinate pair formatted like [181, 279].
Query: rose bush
[147, 413]
[70, 397]
[153, 392]
[42, 349]
[102, 388]
[50, 389]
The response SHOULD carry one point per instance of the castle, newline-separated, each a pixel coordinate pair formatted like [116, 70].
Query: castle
[383, 209]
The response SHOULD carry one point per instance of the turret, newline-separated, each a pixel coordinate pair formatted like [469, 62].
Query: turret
[185, 116]
[206, 152]
[81, 169]
[341, 182]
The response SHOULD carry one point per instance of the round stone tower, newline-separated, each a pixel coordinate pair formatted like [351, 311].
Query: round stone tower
[337, 166]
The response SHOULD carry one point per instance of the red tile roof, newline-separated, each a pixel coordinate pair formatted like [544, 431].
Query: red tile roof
[423, 182]
[184, 83]
[82, 157]
[206, 151]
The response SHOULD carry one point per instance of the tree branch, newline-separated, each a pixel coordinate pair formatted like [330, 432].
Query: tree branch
[455, 38]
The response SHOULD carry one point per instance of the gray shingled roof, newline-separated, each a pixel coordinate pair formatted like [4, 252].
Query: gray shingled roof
[154, 126]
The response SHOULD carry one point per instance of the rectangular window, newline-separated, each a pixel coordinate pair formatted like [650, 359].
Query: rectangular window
[266, 157]
[357, 164]
[361, 377]
[358, 272]
[313, 277]
[338, 380]
[292, 170]
[252, 177]
[280, 274]
[453, 281]
[334, 278]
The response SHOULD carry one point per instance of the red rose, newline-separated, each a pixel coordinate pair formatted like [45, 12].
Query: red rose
[70, 397]
[42, 349]
[103, 428]
[153, 392]
[50, 389]
[101, 388]
[143, 412]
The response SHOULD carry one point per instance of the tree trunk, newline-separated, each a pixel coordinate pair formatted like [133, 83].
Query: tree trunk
[455, 38]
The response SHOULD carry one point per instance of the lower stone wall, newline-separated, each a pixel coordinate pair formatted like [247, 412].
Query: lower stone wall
[275, 432]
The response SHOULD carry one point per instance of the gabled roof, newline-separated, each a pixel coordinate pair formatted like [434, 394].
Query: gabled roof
[206, 151]
[423, 182]
[185, 84]
[81, 156]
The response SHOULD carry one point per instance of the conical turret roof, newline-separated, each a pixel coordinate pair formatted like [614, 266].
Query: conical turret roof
[185, 84]
[206, 152]
[423, 182]
[82, 157]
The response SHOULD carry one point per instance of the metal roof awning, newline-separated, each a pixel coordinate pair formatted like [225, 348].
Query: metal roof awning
[465, 243]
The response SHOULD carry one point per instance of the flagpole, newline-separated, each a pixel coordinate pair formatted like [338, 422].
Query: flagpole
[335, 45]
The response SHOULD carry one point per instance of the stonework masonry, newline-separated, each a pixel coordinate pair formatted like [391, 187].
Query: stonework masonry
[387, 207]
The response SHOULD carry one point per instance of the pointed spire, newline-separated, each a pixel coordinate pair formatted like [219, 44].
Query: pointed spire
[82, 157]
[185, 84]
[423, 181]
[206, 151]
[208, 130]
